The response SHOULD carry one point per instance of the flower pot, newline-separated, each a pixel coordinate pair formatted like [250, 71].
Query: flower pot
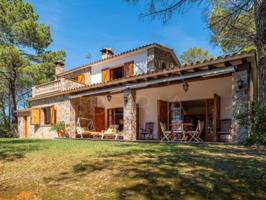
[61, 133]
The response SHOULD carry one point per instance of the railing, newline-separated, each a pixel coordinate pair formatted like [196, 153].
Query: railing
[54, 86]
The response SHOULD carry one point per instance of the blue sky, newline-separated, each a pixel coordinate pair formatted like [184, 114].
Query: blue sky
[82, 27]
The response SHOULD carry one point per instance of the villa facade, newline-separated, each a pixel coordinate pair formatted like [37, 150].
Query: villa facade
[146, 84]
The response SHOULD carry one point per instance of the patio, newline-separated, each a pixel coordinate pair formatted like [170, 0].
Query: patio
[168, 105]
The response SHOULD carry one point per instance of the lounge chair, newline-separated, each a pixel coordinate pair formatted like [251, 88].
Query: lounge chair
[111, 131]
[83, 132]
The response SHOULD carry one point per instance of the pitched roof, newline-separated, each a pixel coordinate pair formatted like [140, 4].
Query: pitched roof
[219, 62]
[118, 55]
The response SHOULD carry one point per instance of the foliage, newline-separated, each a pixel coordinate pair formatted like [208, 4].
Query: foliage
[255, 121]
[4, 132]
[234, 33]
[59, 126]
[23, 59]
[193, 55]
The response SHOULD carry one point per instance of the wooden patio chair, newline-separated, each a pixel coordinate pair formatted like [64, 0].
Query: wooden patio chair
[166, 133]
[111, 131]
[149, 126]
[195, 135]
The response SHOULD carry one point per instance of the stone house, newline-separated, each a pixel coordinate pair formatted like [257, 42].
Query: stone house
[145, 84]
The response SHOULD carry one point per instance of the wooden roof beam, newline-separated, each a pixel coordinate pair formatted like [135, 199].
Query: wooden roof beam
[236, 62]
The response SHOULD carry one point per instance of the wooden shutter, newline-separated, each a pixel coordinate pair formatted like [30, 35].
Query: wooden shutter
[162, 112]
[129, 69]
[52, 115]
[35, 116]
[105, 75]
[81, 78]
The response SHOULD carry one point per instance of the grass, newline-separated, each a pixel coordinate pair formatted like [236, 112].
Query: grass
[72, 169]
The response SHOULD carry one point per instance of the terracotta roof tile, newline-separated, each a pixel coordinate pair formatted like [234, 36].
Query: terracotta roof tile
[184, 67]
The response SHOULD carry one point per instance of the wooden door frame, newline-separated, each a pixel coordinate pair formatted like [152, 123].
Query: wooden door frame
[158, 117]
[25, 127]
[216, 115]
[94, 118]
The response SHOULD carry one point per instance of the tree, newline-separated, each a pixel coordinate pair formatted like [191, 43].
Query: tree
[234, 11]
[193, 55]
[232, 36]
[20, 32]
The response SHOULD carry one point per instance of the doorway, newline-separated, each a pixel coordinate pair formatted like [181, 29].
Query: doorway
[190, 112]
[115, 116]
[25, 127]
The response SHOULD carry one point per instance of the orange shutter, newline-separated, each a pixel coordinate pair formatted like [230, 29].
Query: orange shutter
[129, 69]
[81, 78]
[105, 75]
[52, 114]
[35, 116]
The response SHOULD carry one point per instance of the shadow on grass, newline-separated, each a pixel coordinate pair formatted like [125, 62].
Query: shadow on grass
[176, 172]
[11, 150]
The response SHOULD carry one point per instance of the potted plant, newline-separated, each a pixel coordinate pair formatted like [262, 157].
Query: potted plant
[59, 127]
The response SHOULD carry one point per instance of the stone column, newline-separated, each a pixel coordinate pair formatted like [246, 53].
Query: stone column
[130, 116]
[240, 102]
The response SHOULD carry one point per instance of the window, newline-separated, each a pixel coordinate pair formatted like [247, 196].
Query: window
[117, 73]
[49, 115]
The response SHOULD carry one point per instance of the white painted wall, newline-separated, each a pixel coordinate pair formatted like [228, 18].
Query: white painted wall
[140, 65]
[147, 98]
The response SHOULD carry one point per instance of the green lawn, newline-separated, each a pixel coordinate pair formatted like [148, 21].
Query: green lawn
[72, 169]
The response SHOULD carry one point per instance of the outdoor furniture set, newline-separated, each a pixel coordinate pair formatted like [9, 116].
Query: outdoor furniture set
[181, 133]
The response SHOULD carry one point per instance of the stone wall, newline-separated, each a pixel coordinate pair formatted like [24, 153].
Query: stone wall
[159, 59]
[240, 102]
[64, 112]
[84, 107]
[130, 115]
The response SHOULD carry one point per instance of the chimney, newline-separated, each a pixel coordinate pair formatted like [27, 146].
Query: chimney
[59, 68]
[106, 53]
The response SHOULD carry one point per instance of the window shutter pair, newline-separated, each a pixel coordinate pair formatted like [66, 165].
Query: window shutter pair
[129, 69]
[105, 75]
[81, 78]
[35, 115]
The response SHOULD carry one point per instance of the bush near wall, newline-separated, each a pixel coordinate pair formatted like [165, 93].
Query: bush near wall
[254, 119]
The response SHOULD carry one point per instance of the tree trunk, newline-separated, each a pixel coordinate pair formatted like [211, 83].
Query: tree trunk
[3, 103]
[260, 19]
[12, 96]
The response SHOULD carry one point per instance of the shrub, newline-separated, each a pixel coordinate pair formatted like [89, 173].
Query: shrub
[4, 132]
[59, 126]
[254, 120]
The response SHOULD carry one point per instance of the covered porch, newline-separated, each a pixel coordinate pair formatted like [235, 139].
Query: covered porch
[209, 92]
[208, 100]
